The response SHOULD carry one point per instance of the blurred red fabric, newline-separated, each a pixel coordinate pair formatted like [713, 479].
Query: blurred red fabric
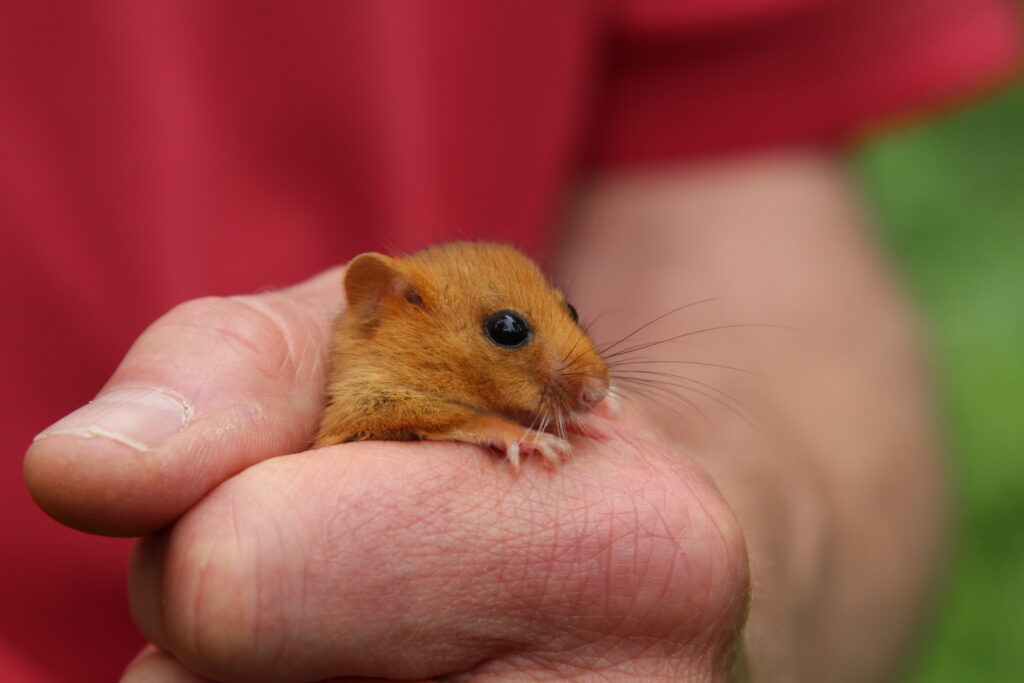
[152, 152]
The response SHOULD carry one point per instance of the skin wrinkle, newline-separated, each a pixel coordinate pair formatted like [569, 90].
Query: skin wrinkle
[671, 570]
[257, 331]
[604, 664]
[730, 549]
[541, 526]
[262, 597]
[650, 537]
[609, 561]
[315, 342]
[709, 540]
[587, 536]
[309, 582]
[156, 544]
[628, 530]
[180, 629]
[285, 632]
[223, 658]
[640, 564]
[254, 328]
[200, 311]
[266, 631]
[219, 574]
[628, 653]
[528, 578]
[549, 536]
[204, 444]
[584, 507]
[418, 533]
[537, 517]
[258, 581]
[711, 633]
[298, 359]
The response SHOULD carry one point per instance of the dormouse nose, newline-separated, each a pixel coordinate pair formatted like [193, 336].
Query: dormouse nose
[589, 390]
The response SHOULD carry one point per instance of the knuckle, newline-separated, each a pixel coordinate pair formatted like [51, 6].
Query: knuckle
[215, 597]
[246, 331]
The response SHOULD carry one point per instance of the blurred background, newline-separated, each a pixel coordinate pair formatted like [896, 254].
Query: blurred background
[949, 196]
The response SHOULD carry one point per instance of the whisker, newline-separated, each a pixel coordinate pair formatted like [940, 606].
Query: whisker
[647, 345]
[679, 379]
[540, 411]
[625, 361]
[581, 257]
[611, 346]
[587, 326]
[579, 337]
[645, 390]
[662, 385]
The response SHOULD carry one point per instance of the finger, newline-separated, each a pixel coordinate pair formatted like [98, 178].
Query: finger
[212, 387]
[421, 559]
[154, 666]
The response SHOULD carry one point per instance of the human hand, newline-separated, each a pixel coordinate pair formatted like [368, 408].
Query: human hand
[381, 559]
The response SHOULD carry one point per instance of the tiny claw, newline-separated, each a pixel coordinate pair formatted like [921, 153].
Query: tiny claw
[551, 447]
[512, 453]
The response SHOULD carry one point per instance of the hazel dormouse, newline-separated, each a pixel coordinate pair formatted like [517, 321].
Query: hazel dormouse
[463, 342]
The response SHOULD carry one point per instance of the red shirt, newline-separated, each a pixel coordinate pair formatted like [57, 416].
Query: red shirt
[152, 152]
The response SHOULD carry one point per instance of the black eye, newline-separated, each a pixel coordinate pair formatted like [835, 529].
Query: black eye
[572, 312]
[508, 329]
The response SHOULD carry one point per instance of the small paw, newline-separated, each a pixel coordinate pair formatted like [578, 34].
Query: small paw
[551, 447]
[504, 435]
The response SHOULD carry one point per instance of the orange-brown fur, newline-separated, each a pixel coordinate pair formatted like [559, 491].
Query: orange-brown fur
[410, 359]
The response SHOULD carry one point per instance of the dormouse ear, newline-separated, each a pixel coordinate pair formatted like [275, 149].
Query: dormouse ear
[370, 279]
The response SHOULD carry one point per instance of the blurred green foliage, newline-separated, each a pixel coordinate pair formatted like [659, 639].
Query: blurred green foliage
[949, 196]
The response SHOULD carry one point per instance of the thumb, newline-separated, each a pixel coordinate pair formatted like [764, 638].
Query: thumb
[212, 387]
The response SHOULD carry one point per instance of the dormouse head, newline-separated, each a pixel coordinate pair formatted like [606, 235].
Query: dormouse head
[478, 324]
